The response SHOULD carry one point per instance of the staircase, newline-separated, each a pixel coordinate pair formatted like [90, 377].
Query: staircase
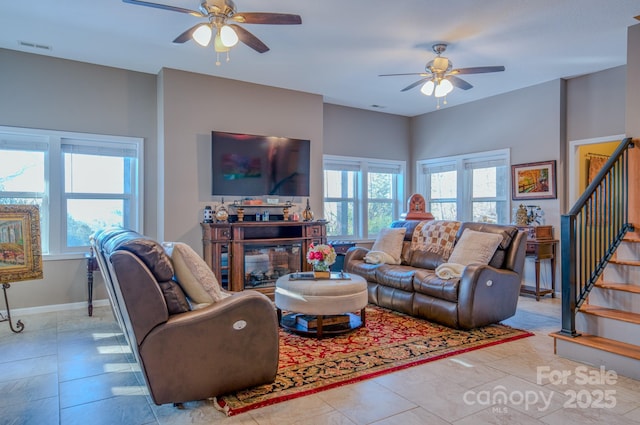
[608, 323]
[601, 278]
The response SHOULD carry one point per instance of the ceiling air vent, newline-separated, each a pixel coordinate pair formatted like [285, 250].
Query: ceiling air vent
[31, 45]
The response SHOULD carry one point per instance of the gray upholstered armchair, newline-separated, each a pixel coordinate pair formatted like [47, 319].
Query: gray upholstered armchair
[225, 346]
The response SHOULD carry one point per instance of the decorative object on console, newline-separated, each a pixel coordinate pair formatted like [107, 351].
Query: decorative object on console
[20, 252]
[321, 257]
[222, 215]
[307, 214]
[535, 215]
[529, 215]
[240, 213]
[416, 209]
[208, 214]
[534, 180]
[521, 216]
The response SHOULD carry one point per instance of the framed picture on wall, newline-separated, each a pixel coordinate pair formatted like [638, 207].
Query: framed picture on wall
[534, 180]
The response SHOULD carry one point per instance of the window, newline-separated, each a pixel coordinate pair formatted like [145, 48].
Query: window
[81, 182]
[467, 187]
[361, 196]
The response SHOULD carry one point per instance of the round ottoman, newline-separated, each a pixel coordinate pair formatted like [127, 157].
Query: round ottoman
[321, 307]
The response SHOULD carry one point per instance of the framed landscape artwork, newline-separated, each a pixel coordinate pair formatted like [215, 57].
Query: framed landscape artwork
[20, 250]
[534, 180]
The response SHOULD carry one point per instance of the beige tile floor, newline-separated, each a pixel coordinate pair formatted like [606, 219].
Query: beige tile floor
[67, 368]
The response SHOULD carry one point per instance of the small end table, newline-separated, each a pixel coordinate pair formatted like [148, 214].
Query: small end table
[541, 250]
[92, 266]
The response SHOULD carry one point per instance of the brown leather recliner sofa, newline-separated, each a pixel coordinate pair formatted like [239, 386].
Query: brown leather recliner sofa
[484, 294]
[226, 346]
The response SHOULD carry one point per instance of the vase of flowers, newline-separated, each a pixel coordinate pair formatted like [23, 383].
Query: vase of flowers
[321, 257]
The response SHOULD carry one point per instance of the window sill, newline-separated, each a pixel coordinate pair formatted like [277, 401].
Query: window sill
[63, 257]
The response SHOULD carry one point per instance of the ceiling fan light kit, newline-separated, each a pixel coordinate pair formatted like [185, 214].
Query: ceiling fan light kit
[427, 88]
[202, 35]
[439, 78]
[218, 12]
[443, 88]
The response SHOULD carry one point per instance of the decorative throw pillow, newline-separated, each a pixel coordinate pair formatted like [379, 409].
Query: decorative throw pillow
[193, 274]
[174, 296]
[389, 241]
[475, 247]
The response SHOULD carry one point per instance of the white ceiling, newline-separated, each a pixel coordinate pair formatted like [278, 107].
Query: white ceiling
[343, 45]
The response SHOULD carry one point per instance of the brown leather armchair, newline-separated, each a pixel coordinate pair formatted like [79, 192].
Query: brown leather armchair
[228, 345]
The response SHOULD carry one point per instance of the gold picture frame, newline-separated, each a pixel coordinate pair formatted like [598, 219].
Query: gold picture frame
[20, 249]
[534, 180]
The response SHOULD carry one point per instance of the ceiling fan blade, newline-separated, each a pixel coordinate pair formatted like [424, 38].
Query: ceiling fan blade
[187, 35]
[249, 39]
[459, 82]
[165, 7]
[417, 83]
[267, 18]
[422, 74]
[477, 70]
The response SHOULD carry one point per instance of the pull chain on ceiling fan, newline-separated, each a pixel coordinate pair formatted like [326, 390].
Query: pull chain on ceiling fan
[225, 35]
[440, 79]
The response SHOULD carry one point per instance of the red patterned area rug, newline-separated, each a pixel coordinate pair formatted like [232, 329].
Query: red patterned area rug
[390, 341]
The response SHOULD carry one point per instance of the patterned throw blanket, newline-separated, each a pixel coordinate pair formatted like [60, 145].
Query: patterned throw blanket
[435, 236]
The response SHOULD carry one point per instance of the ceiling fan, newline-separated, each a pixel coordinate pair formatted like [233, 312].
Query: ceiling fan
[225, 35]
[439, 78]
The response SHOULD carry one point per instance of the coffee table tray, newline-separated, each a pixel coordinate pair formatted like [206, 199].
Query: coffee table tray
[310, 276]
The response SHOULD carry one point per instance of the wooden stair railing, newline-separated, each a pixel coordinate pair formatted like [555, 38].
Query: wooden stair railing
[591, 232]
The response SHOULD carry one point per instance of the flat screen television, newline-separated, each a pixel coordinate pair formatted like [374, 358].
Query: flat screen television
[250, 165]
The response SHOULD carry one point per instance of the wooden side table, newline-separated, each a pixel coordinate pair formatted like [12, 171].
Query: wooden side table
[541, 250]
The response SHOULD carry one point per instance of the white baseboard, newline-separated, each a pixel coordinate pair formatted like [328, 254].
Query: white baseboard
[57, 307]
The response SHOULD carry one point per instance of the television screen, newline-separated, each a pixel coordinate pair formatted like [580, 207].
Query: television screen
[249, 165]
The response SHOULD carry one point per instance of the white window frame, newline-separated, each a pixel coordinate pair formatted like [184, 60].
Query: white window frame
[464, 165]
[361, 167]
[53, 214]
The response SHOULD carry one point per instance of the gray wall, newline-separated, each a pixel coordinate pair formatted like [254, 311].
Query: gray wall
[193, 105]
[529, 121]
[370, 134]
[596, 104]
[633, 82]
[48, 93]
[367, 134]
